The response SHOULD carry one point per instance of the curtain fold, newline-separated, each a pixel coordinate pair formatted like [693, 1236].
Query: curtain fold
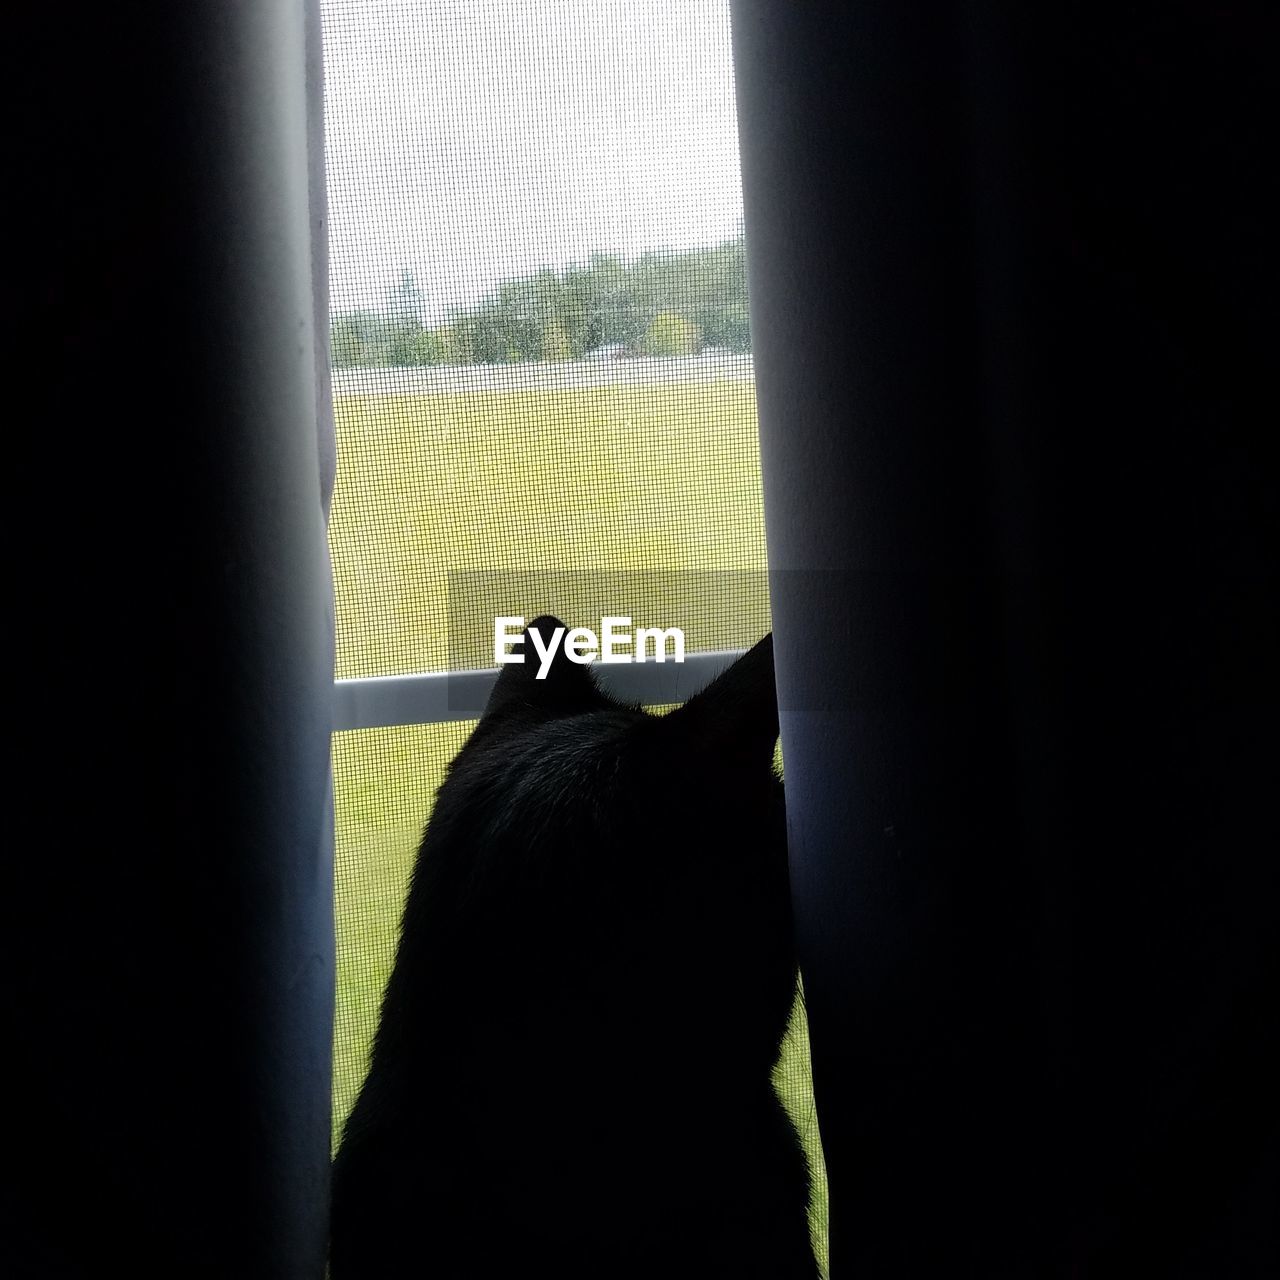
[176, 936]
[1010, 353]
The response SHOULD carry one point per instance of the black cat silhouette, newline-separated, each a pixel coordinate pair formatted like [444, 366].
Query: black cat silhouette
[571, 1075]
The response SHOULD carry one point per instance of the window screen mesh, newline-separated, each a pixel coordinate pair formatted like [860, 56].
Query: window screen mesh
[542, 379]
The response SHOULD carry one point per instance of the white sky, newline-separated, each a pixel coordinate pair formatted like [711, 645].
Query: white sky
[473, 140]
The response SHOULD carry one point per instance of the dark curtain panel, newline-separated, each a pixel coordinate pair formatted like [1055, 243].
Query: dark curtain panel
[172, 913]
[1015, 378]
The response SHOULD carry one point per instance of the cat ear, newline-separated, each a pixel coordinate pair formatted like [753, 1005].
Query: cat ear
[566, 688]
[736, 715]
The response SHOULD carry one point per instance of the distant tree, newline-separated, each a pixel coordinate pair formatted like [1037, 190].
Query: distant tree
[402, 344]
[427, 348]
[496, 331]
[359, 340]
[347, 340]
[555, 341]
[728, 326]
[577, 311]
[405, 301]
[670, 335]
[660, 303]
[457, 342]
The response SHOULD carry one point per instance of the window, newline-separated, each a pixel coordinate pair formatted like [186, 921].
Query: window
[543, 388]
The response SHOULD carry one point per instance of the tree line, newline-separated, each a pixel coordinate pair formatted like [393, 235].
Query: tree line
[659, 304]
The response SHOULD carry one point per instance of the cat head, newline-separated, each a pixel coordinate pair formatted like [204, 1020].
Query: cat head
[735, 717]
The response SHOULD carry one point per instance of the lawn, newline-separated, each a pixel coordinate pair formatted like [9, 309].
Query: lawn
[451, 509]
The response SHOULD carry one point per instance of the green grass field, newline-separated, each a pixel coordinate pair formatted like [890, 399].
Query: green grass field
[451, 509]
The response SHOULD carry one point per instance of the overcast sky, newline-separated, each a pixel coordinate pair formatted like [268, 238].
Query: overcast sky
[472, 140]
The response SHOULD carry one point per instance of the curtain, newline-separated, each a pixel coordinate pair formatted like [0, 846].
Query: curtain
[174, 935]
[1010, 341]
